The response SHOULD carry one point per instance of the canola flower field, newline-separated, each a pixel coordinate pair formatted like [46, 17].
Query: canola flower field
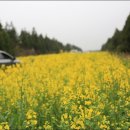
[67, 91]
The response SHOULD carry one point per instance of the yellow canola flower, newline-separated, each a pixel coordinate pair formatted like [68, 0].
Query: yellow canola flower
[87, 102]
[47, 126]
[103, 126]
[65, 116]
[4, 126]
[65, 91]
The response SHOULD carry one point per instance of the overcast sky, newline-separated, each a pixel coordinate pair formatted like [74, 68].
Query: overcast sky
[87, 24]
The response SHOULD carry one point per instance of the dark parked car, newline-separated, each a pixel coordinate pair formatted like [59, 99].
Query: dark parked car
[7, 59]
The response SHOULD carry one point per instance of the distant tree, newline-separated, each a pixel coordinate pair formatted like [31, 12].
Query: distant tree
[11, 31]
[5, 41]
[29, 43]
[34, 39]
[120, 41]
[1, 27]
[70, 47]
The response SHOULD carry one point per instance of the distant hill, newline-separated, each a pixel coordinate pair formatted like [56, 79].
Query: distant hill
[120, 41]
[27, 43]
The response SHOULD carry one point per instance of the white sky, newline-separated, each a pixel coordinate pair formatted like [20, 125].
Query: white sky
[87, 24]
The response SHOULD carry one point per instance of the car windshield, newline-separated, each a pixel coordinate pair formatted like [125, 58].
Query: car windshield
[4, 56]
[1, 56]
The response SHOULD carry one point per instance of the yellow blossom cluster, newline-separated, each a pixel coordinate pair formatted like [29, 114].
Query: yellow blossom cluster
[4, 126]
[31, 119]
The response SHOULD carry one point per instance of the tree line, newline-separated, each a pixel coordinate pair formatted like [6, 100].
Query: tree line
[120, 41]
[28, 43]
